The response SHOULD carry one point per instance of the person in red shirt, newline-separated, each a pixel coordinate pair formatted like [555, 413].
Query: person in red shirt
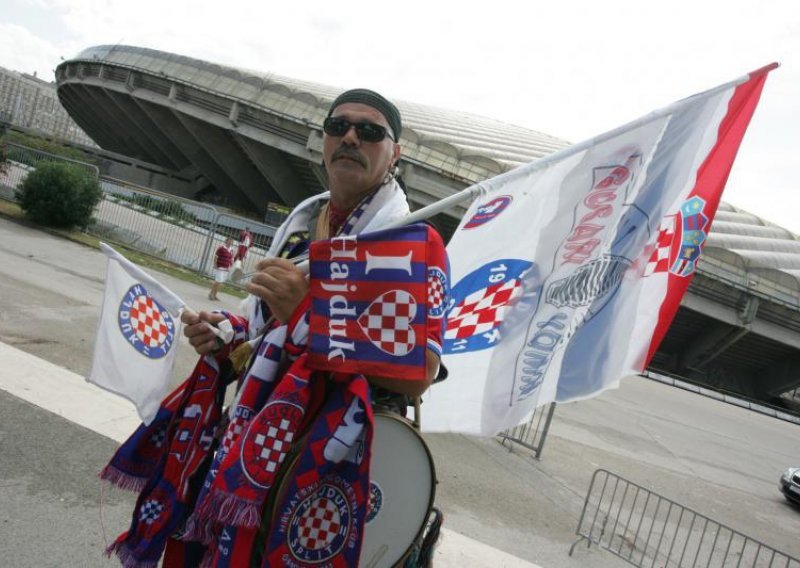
[245, 241]
[223, 259]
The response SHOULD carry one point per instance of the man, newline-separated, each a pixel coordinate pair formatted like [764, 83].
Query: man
[360, 154]
[356, 168]
[245, 240]
[248, 487]
[223, 260]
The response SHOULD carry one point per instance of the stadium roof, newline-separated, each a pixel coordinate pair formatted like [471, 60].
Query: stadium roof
[443, 150]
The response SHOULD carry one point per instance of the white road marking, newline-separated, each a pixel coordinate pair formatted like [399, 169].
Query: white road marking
[68, 395]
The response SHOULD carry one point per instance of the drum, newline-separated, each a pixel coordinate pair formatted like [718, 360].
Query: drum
[402, 488]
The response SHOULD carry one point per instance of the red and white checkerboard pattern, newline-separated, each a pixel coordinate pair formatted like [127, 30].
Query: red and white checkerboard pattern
[274, 445]
[387, 322]
[436, 291]
[232, 433]
[482, 310]
[659, 260]
[147, 322]
[319, 525]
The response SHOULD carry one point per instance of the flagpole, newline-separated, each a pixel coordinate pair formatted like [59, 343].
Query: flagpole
[163, 295]
[484, 187]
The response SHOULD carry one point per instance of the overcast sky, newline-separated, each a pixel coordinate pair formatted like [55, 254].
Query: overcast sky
[567, 68]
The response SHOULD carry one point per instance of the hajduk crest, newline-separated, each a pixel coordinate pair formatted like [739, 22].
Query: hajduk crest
[145, 324]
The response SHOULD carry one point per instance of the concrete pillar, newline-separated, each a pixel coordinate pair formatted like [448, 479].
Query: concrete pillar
[106, 111]
[185, 141]
[221, 148]
[275, 167]
[128, 112]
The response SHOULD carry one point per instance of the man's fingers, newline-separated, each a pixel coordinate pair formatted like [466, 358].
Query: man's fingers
[188, 317]
[211, 317]
[205, 345]
[266, 280]
[199, 325]
[276, 263]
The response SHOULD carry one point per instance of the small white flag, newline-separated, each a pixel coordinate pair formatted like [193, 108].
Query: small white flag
[137, 336]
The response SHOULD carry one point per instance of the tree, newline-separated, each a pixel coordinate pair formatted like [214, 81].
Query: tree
[59, 195]
[3, 159]
[3, 150]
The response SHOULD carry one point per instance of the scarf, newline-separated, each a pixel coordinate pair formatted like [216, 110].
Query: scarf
[218, 499]
[386, 204]
[320, 516]
[162, 459]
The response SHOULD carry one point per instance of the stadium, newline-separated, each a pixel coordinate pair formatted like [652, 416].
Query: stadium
[248, 139]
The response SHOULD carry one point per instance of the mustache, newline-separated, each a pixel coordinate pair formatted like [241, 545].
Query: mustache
[350, 154]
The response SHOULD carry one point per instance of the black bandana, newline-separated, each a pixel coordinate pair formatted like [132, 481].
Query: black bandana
[376, 101]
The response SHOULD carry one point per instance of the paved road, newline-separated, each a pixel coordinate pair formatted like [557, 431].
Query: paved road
[719, 459]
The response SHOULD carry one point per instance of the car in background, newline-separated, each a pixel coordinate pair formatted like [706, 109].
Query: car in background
[790, 484]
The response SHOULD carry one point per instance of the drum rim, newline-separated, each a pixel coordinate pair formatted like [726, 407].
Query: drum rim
[434, 479]
[282, 484]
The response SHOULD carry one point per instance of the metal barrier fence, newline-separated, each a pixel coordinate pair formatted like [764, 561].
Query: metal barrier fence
[23, 160]
[182, 231]
[158, 224]
[231, 225]
[533, 434]
[648, 530]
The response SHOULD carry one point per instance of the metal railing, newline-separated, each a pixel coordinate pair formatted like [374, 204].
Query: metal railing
[23, 160]
[179, 230]
[532, 434]
[648, 530]
[729, 397]
[229, 225]
[158, 224]
[182, 231]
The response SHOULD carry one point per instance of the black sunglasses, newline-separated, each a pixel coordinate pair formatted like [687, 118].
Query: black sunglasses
[366, 131]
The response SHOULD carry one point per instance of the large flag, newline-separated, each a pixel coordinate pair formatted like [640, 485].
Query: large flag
[137, 336]
[568, 271]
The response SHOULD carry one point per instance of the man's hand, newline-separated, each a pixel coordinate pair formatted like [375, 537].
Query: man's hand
[280, 284]
[197, 329]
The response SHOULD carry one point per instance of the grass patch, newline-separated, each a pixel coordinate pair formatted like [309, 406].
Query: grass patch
[13, 211]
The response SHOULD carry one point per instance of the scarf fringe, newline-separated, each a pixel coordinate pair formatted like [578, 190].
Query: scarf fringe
[127, 558]
[228, 509]
[123, 480]
[200, 530]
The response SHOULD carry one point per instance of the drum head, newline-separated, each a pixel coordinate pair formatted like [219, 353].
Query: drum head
[402, 485]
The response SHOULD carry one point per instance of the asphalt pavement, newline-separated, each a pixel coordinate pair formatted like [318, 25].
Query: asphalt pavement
[719, 459]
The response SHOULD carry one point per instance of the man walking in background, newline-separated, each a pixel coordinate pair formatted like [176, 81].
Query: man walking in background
[245, 241]
[223, 259]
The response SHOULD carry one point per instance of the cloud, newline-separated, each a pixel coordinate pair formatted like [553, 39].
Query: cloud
[571, 69]
[23, 51]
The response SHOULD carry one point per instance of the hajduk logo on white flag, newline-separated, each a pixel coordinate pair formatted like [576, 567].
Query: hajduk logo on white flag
[137, 336]
[568, 271]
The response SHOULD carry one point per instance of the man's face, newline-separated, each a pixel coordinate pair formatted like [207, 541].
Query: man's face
[355, 167]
